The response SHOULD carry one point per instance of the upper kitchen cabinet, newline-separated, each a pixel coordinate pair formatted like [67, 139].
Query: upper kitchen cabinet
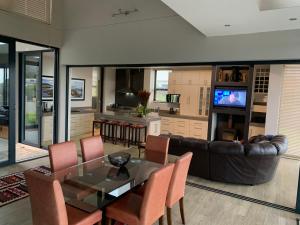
[194, 86]
[190, 77]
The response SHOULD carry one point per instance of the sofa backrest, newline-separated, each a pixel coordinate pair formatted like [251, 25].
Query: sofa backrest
[225, 147]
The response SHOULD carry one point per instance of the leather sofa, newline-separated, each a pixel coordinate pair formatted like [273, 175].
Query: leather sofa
[231, 162]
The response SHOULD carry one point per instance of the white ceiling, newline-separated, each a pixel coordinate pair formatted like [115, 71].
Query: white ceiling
[244, 16]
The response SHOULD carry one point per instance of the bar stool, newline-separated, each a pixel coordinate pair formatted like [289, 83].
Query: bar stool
[123, 128]
[100, 123]
[110, 131]
[134, 136]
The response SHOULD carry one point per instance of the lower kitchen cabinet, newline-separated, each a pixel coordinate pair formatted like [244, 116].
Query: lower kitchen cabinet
[255, 130]
[184, 127]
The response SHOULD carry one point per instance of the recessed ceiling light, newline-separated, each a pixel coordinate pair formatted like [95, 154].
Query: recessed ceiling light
[227, 25]
[293, 19]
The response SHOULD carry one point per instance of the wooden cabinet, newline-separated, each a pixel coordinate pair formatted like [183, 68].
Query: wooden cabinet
[255, 130]
[198, 129]
[194, 88]
[81, 123]
[3, 132]
[184, 127]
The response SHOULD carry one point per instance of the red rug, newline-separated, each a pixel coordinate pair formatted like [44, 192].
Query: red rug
[13, 186]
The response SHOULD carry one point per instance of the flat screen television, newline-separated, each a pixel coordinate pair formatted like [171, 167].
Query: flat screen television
[229, 97]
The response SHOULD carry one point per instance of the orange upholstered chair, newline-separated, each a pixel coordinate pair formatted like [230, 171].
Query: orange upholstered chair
[156, 149]
[134, 209]
[62, 156]
[177, 185]
[48, 205]
[91, 148]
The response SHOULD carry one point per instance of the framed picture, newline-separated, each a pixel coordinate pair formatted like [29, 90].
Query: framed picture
[77, 89]
[47, 88]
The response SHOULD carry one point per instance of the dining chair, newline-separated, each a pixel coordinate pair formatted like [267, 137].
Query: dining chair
[62, 156]
[91, 148]
[48, 205]
[156, 149]
[134, 209]
[177, 186]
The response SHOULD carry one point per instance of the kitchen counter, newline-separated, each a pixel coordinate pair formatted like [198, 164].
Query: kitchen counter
[127, 117]
[82, 110]
[167, 114]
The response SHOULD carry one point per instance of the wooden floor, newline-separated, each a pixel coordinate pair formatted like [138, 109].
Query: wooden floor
[202, 207]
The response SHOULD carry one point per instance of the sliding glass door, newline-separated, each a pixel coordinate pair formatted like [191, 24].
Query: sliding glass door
[7, 101]
[31, 85]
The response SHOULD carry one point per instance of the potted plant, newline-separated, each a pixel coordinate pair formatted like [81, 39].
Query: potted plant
[142, 109]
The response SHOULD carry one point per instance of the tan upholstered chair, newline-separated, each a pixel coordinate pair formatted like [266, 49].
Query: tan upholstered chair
[48, 205]
[137, 210]
[91, 148]
[62, 156]
[177, 185]
[156, 149]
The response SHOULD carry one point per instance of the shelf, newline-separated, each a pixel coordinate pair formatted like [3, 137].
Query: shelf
[231, 84]
[231, 111]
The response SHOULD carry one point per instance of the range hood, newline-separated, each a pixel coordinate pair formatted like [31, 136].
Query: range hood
[127, 90]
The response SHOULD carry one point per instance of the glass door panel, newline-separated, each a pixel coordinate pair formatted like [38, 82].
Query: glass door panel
[4, 103]
[32, 99]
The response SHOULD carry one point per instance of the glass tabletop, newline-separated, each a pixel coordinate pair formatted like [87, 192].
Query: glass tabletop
[95, 184]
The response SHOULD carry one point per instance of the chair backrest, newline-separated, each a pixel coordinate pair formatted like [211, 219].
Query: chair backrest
[63, 155]
[178, 180]
[47, 200]
[91, 148]
[156, 149]
[154, 200]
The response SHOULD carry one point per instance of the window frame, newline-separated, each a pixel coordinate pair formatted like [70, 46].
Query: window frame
[159, 89]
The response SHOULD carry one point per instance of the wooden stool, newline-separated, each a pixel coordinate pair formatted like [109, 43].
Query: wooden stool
[110, 131]
[141, 146]
[134, 136]
[123, 127]
[100, 123]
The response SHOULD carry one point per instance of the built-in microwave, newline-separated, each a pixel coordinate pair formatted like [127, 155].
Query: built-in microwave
[173, 98]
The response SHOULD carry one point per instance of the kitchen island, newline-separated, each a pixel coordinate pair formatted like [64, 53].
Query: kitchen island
[152, 120]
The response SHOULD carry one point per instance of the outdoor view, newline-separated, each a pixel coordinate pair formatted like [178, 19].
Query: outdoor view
[161, 85]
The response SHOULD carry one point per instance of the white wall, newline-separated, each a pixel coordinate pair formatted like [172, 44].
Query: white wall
[24, 28]
[109, 87]
[163, 38]
[274, 93]
[85, 73]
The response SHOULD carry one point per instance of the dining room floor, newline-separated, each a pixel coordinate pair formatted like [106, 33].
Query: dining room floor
[202, 207]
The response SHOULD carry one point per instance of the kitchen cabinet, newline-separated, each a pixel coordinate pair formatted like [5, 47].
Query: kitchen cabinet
[194, 88]
[81, 123]
[255, 130]
[184, 127]
[3, 132]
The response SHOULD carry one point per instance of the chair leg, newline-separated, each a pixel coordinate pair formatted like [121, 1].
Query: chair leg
[169, 216]
[161, 220]
[108, 221]
[182, 210]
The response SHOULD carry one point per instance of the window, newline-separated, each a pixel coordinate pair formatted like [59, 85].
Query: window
[161, 85]
[35, 9]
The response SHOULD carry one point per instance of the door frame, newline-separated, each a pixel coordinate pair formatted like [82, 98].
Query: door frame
[56, 92]
[12, 100]
[22, 96]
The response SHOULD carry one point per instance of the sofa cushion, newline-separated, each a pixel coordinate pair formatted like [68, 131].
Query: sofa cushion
[281, 143]
[195, 144]
[264, 148]
[224, 147]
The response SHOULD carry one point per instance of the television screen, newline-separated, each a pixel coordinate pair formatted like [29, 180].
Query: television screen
[230, 98]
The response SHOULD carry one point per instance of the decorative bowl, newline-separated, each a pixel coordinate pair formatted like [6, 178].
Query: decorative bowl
[119, 159]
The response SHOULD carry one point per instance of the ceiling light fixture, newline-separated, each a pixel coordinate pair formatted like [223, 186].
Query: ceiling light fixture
[124, 12]
[227, 25]
[293, 19]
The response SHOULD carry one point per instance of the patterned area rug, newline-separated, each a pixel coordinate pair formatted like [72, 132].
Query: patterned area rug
[13, 186]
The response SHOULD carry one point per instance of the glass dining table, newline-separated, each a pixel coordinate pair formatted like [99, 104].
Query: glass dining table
[95, 184]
